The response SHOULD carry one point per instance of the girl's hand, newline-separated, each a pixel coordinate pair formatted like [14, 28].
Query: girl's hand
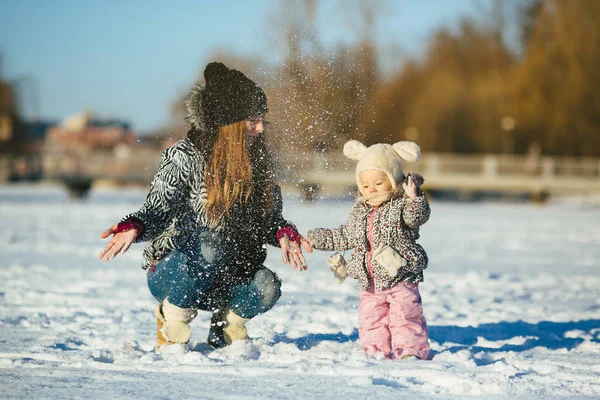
[119, 244]
[410, 188]
[292, 252]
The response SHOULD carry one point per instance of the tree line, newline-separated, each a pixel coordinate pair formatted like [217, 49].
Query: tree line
[473, 91]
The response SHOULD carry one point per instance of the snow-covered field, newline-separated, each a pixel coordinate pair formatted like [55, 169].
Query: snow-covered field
[512, 299]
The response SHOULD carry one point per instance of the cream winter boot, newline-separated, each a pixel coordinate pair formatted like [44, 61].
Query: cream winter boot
[225, 328]
[172, 323]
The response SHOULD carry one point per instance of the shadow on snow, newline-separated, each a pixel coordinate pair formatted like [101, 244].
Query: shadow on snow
[547, 334]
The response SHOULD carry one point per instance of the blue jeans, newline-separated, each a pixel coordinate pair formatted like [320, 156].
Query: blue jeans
[205, 283]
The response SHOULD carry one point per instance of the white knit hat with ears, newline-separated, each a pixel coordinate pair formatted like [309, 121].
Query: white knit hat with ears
[383, 157]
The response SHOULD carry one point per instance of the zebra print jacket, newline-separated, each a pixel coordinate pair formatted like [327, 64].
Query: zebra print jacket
[174, 212]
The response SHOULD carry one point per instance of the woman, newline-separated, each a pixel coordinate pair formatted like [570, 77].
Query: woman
[212, 208]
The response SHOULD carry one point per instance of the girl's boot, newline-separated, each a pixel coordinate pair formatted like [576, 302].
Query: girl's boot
[225, 328]
[172, 323]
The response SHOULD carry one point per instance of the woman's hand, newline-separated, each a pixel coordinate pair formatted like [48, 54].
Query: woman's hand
[292, 252]
[119, 243]
[410, 188]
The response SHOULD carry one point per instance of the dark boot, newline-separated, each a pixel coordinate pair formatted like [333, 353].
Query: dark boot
[216, 335]
[225, 328]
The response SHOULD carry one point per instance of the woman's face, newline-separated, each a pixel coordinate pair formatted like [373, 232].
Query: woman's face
[254, 127]
[372, 181]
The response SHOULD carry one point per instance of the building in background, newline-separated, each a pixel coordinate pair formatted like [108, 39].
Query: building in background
[83, 147]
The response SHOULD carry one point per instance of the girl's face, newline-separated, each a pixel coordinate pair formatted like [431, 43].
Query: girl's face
[372, 181]
[254, 127]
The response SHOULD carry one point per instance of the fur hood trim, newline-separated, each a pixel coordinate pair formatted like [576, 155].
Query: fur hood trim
[194, 108]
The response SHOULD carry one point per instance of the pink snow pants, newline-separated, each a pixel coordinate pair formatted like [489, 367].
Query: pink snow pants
[392, 321]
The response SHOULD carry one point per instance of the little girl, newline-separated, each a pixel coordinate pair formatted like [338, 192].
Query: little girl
[382, 228]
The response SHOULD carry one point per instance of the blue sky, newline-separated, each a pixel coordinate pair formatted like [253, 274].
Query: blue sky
[130, 59]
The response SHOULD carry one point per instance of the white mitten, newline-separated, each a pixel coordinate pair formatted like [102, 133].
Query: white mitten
[338, 265]
[389, 259]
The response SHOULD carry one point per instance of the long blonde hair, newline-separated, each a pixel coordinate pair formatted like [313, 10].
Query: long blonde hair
[229, 177]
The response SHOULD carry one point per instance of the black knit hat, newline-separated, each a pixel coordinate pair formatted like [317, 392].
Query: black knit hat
[230, 96]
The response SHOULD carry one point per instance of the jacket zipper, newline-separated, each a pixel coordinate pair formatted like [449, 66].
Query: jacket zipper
[370, 238]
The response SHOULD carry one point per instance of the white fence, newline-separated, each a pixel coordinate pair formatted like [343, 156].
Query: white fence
[334, 174]
[328, 173]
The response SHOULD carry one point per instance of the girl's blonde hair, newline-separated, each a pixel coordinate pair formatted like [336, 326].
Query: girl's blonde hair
[229, 174]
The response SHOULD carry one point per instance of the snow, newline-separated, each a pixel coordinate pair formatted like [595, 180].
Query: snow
[511, 298]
